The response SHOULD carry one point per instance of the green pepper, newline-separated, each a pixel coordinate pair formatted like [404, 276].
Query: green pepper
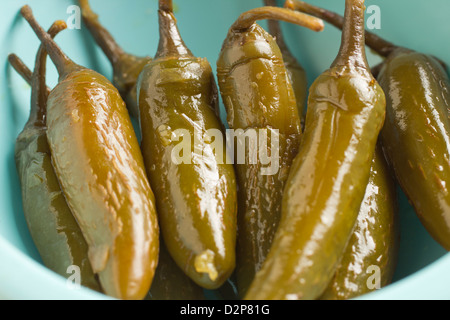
[370, 259]
[416, 136]
[101, 171]
[328, 178]
[296, 73]
[259, 97]
[53, 228]
[196, 200]
[126, 67]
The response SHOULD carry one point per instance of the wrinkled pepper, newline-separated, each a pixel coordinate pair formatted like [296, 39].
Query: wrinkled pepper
[185, 156]
[260, 102]
[101, 171]
[53, 228]
[328, 178]
[416, 135]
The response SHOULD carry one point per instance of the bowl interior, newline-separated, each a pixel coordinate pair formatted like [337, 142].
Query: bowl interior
[203, 25]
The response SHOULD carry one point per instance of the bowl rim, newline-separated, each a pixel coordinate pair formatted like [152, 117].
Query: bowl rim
[23, 278]
[20, 270]
[416, 286]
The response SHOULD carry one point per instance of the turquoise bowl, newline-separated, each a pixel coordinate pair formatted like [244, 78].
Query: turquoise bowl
[422, 271]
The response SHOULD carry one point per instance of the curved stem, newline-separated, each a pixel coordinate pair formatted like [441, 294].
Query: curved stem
[36, 78]
[381, 46]
[102, 36]
[39, 90]
[20, 68]
[59, 58]
[247, 19]
[275, 27]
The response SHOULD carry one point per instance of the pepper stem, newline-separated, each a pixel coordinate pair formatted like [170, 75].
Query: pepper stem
[103, 38]
[247, 19]
[379, 45]
[20, 68]
[275, 28]
[170, 42]
[39, 90]
[166, 5]
[353, 50]
[63, 64]
[36, 79]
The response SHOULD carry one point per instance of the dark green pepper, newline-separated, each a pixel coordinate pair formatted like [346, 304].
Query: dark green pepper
[101, 171]
[416, 136]
[328, 178]
[126, 67]
[196, 200]
[296, 73]
[259, 97]
[53, 228]
[370, 259]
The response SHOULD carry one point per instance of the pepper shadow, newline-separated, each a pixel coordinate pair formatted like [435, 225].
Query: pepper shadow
[15, 119]
[417, 248]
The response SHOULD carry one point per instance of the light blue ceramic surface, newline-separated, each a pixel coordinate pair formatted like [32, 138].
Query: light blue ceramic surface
[423, 269]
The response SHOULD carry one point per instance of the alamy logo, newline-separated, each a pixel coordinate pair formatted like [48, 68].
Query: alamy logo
[74, 280]
[374, 280]
[373, 17]
[251, 146]
[74, 20]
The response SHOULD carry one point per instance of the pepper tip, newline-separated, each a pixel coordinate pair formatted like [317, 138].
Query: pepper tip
[25, 10]
[60, 24]
[289, 4]
[320, 26]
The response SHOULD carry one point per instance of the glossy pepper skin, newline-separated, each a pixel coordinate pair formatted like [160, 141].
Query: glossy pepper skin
[328, 178]
[126, 67]
[101, 171]
[196, 200]
[126, 71]
[373, 246]
[416, 134]
[258, 95]
[52, 226]
[97, 159]
[296, 73]
[170, 282]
